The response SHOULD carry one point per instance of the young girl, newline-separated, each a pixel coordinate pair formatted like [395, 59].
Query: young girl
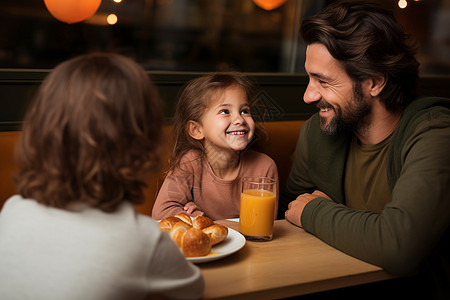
[213, 126]
[89, 141]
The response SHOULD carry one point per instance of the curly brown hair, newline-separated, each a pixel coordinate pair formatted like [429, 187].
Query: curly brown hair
[92, 134]
[368, 41]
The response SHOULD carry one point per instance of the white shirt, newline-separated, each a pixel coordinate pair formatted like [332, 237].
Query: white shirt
[85, 253]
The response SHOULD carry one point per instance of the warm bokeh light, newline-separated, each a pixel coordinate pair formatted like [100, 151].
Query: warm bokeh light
[111, 19]
[269, 4]
[118, 1]
[402, 4]
[72, 11]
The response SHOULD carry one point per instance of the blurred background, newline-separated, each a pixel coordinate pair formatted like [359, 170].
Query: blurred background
[199, 35]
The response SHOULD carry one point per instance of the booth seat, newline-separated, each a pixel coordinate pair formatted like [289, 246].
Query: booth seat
[279, 144]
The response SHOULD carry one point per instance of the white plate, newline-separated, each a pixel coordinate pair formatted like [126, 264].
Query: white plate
[233, 243]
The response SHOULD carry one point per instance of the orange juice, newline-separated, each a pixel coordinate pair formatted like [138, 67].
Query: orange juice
[257, 213]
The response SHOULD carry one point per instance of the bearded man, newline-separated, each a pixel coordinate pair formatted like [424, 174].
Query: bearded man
[371, 174]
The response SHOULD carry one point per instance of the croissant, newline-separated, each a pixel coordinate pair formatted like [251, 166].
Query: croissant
[185, 218]
[201, 222]
[217, 233]
[166, 224]
[195, 242]
[191, 241]
[177, 232]
[194, 237]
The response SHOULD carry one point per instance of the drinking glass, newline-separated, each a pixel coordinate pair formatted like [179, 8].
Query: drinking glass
[257, 214]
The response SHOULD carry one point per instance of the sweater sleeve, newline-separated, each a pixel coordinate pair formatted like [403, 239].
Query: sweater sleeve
[179, 187]
[173, 195]
[411, 225]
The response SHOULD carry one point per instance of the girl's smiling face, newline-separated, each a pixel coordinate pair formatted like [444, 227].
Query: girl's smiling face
[226, 124]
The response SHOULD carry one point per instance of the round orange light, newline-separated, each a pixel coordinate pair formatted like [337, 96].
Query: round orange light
[111, 19]
[269, 4]
[72, 11]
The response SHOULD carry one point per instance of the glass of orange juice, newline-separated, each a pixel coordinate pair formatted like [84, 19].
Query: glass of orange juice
[257, 214]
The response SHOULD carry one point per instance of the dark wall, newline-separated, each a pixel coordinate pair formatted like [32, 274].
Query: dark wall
[281, 94]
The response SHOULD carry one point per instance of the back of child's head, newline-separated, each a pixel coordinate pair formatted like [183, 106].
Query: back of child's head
[195, 98]
[92, 134]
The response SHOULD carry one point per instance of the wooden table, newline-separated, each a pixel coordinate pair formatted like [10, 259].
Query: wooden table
[293, 263]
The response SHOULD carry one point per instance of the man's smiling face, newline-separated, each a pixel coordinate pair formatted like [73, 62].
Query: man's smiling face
[342, 103]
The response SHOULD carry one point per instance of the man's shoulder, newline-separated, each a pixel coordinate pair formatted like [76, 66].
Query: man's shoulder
[424, 104]
[422, 110]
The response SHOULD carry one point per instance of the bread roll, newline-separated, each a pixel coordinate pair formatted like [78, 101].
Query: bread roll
[195, 238]
[217, 233]
[177, 232]
[166, 224]
[185, 218]
[201, 222]
[195, 243]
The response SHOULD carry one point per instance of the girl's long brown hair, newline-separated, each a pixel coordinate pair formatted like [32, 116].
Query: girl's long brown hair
[92, 134]
[193, 101]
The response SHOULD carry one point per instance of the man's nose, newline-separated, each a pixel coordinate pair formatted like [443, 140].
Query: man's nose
[311, 94]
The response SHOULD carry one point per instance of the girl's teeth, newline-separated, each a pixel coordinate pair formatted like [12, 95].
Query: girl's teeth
[237, 132]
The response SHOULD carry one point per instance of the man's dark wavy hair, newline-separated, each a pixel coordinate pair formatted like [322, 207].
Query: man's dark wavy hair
[368, 41]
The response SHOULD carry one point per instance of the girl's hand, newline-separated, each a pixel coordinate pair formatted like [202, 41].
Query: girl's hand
[190, 207]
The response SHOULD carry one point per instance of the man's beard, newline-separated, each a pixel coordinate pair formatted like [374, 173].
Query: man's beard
[353, 118]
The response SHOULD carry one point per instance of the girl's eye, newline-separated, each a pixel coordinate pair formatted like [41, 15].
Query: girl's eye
[245, 111]
[223, 112]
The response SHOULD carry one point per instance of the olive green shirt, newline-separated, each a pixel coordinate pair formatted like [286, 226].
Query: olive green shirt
[366, 186]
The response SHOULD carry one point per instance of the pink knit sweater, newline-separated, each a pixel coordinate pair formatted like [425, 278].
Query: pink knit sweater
[195, 181]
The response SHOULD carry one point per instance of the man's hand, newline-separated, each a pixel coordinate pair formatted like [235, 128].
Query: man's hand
[295, 208]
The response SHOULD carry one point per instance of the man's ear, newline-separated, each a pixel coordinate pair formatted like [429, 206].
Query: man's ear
[377, 84]
[195, 130]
